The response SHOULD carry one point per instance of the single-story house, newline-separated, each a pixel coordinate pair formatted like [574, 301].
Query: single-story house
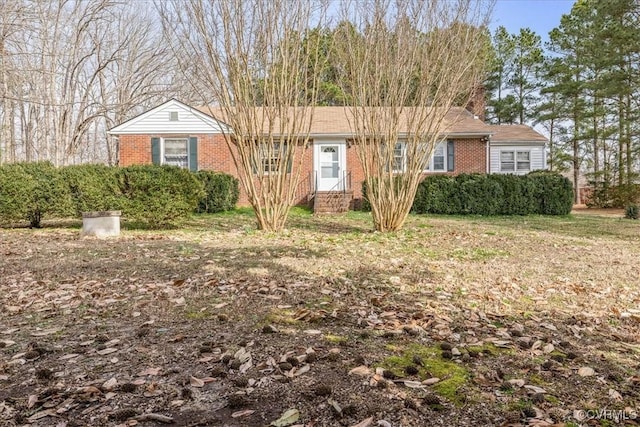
[177, 134]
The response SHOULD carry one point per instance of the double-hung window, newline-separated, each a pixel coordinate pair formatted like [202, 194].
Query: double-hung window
[438, 160]
[515, 161]
[176, 152]
[272, 156]
[399, 157]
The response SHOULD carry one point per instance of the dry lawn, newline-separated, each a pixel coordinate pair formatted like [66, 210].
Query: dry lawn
[452, 321]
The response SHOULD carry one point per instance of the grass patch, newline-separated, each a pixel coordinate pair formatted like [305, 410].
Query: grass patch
[336, 339]
[488, 349]
[452, 375]
[197, 314]
[477, 254]
[281, 317]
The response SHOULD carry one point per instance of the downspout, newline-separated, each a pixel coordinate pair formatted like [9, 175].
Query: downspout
[488, 155]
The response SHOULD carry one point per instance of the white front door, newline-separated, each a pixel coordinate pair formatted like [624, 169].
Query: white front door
[329, 166]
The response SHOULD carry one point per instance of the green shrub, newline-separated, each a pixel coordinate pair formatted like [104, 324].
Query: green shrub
[553, 193]
[632, 212]
[518, 194]
[33, 191]
[93, 188]
[437, 194]
[158, 196]
[16, 188]
[605, 195]
[478, 194]
[366, 204]
[221, 190]
[626, 194]
[601, 195]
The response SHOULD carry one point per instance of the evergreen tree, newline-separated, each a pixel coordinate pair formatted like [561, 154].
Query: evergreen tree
[524, 82]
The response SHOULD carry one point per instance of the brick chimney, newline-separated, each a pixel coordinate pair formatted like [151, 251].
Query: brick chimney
[477, 102]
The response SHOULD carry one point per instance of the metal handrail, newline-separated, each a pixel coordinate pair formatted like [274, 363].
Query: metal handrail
[345, 182]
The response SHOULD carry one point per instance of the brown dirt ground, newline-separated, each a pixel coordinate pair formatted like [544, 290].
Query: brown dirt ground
[525, 321]
[608, 212]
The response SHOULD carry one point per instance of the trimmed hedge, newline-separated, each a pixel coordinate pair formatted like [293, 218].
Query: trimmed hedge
[437, 194]
[221, 190]
[156, 196]
[33, 191]
[93, 188]
[536, 193]
[553, 193]
[478, 194]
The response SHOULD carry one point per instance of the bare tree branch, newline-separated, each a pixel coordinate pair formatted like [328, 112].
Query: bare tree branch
[405, 63]
[252, 59]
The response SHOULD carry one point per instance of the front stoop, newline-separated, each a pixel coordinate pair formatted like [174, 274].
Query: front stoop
[328, 202]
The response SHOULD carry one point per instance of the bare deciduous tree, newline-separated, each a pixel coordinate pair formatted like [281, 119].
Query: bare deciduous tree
[12, 21]
[252, 59]
[405, 64]
[71, 69]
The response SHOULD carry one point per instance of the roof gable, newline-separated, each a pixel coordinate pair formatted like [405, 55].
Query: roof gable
[172, 116]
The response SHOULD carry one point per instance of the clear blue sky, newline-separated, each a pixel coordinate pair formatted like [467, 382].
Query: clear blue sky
[540, 15]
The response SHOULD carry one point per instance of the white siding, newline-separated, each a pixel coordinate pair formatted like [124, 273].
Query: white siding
[157, 121]
[537, 156]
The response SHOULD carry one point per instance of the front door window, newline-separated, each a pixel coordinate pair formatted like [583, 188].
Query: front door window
[329, 162]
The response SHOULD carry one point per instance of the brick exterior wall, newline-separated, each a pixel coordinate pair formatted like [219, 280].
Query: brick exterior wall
[470, 156]
[134, 150]
[214, 154]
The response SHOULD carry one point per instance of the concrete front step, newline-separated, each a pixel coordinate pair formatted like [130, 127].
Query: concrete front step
[332, 201]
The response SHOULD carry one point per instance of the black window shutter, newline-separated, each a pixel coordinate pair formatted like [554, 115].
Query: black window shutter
[451, 156]
[155, 151]
[193, 153]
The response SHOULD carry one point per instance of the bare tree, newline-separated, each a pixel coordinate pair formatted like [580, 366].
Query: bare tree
[12, 22]
[84, 67]
[405, 64]
[252, 59]
[142, 73]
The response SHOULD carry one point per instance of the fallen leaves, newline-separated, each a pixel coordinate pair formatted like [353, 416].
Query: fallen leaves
[150, 372]
[361, 371]
[513, 333]
[196, 382]
[106, 351]
[586, 371]
[110, 384]
[364, 423]
[244, 413]
[287, 418]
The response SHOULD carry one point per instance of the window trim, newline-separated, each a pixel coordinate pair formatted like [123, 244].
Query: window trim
[515, 162]
[163, 141]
